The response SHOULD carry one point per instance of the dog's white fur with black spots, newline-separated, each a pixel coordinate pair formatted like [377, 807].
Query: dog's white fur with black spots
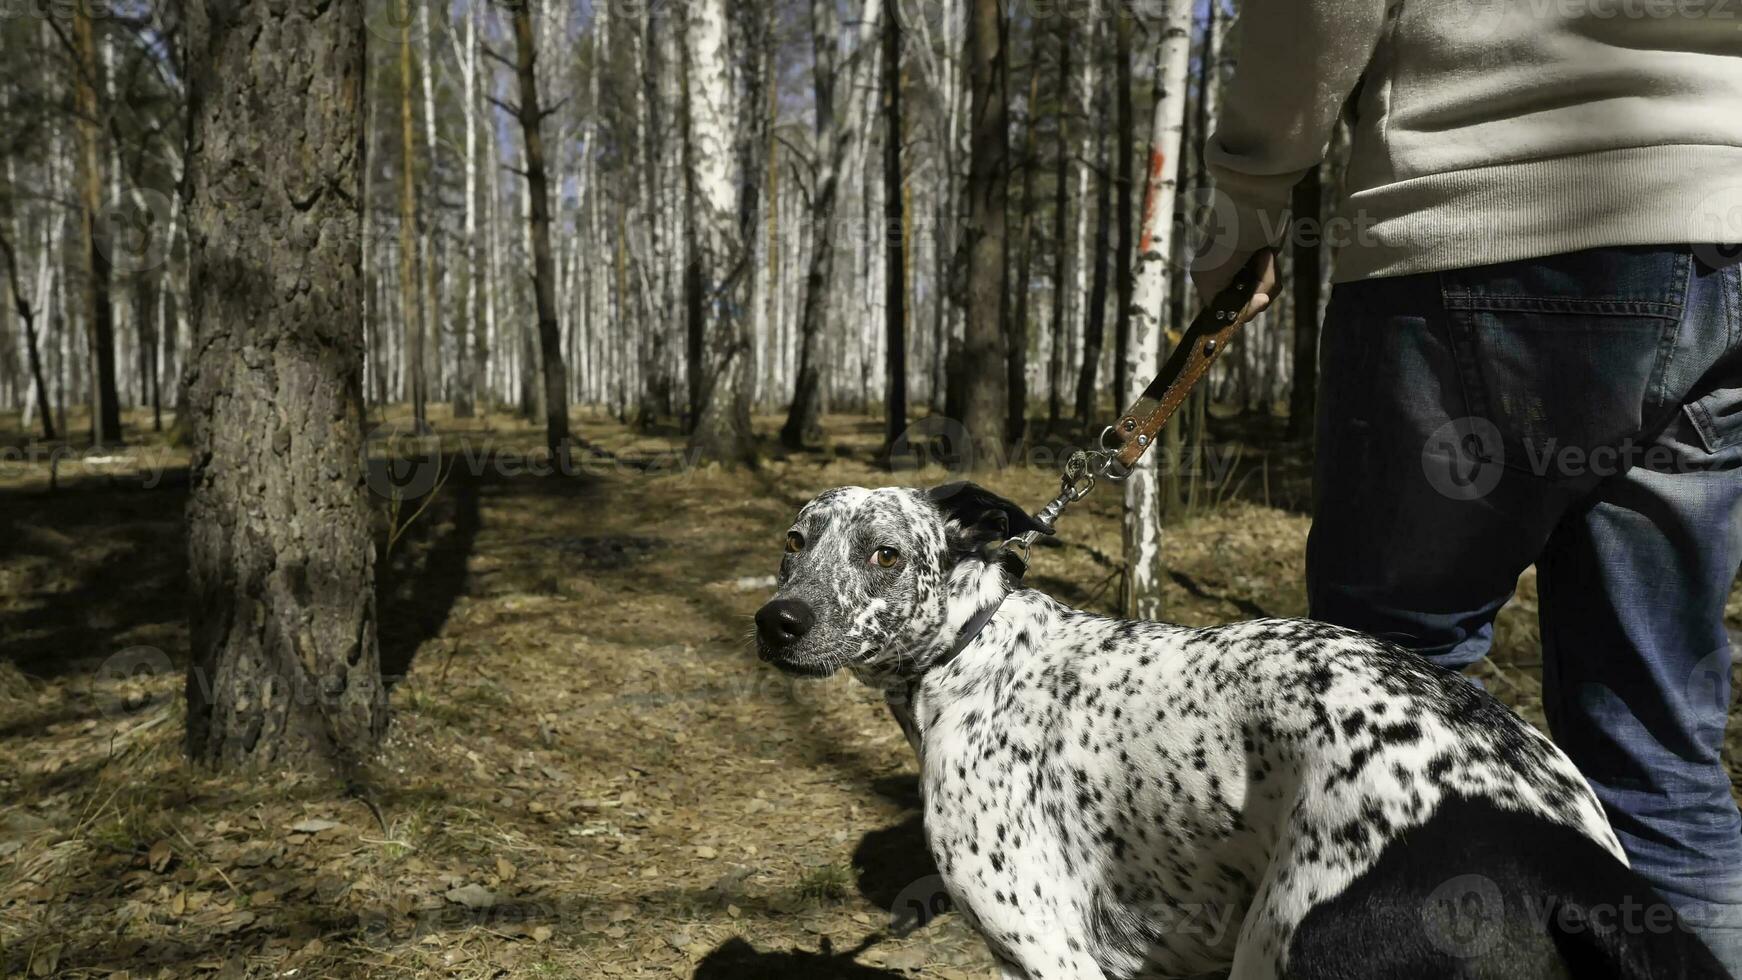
[1278, 798]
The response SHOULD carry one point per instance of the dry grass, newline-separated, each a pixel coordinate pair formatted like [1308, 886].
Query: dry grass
[588, 775]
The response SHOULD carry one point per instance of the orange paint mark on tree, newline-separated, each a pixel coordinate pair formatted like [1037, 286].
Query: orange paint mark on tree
[1151, 191]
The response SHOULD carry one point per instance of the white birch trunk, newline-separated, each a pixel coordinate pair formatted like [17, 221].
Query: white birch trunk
[1084, 247]
[469, 318]
[720, 433]
[1142, 516]
[434, 281]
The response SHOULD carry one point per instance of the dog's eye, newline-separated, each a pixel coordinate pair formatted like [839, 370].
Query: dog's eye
[794, 542]
[886, 558]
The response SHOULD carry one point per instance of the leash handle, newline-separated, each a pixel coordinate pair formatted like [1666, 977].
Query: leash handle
[1205, 340]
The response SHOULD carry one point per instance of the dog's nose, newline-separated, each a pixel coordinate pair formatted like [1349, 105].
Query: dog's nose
[782, 622]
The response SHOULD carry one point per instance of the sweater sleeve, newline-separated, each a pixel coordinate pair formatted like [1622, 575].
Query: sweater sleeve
[1296, 63]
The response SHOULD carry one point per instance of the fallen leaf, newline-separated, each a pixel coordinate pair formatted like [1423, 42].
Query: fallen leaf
[233, 923]
[504, 869]
[540, 934]
[44, 961]
[313, 826]
[473, 896]
[159, 857]
[707, 853]
[254, 857]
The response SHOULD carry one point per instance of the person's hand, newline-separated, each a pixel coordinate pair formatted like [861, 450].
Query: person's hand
[1211, 281]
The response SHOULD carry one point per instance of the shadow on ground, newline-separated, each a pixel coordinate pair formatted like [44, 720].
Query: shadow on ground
[736, 959]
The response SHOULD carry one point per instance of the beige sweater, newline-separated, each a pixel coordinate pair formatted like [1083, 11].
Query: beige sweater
[1486, 130]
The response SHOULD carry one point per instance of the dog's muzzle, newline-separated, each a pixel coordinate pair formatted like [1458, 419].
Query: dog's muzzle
[782, 623]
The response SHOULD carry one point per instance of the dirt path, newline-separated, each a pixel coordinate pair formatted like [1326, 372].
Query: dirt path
[589, 774]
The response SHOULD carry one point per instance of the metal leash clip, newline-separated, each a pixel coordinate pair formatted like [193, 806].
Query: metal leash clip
[1111, 471]
[1082, 468]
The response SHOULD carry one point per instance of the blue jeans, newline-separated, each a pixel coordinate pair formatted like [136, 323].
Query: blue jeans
[1581, 412]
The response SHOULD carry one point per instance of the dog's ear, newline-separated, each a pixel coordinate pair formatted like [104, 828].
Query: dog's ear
[983, 514]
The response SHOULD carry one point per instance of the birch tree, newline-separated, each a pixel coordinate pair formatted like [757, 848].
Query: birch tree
[835, 139]
[471, 346]
[1141, 525]
[531, 115]
[718, 311]
[1094, 324]
[26, 317]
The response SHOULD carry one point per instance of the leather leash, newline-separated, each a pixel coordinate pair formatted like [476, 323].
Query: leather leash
[1204, 340]
[1124, 442]
[1209, 335]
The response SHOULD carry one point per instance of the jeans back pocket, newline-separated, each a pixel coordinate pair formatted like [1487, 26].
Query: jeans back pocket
[1565, 356]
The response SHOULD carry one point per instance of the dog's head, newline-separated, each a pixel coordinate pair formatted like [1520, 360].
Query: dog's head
[874, 580]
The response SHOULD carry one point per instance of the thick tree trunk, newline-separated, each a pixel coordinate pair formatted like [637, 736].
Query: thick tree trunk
[285, 668]
[531, 117]
[986, 388]
[98, 307]
[1142, 517]
[894, 230]
[1303, 394]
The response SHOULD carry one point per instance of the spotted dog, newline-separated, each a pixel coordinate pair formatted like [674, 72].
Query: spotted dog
[1277, 798]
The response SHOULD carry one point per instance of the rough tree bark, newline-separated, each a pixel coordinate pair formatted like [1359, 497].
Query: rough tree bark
[1142, 518]
[986, 390]
[531, 118]
[285, 668]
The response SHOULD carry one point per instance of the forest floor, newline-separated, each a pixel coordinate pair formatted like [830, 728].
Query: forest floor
[588, 773]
